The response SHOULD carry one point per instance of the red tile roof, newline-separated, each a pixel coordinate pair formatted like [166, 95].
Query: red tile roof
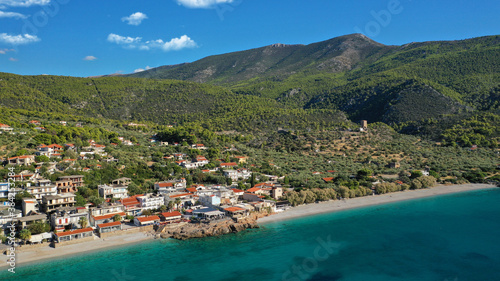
[235, 190]
[78, 231]
[234, 209]
[171, 214]
[180, 195]
[191, 189]
[109, 224]
[165, 184]
[108, 216]
[328, 179]
[253, 189]
[231, 164]
[147, 219]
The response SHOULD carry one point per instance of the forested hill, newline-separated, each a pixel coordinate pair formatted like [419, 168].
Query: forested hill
[334, 55]
[359, 76]
[162, 102]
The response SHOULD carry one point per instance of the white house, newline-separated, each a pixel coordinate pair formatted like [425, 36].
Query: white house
[151, 201]
[113, 191]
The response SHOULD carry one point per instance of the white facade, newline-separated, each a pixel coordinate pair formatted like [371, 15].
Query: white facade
[151, 201]
[113, 191]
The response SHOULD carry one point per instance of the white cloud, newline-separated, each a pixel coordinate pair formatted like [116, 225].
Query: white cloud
[23, 3]
[89, 58]
[127, 41]
[20, 39]
[205, 4]
[5, 51]
[135, 18]
[12, 15]
[142, 69]
[174, 44]
[13, 59]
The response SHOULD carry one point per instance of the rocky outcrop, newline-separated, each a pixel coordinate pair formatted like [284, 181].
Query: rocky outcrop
[200, 230]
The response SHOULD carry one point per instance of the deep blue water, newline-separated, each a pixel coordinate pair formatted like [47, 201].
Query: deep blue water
[452, 237]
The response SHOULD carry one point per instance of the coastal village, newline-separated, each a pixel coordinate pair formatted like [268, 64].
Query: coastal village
[50, 178]
[49, 214]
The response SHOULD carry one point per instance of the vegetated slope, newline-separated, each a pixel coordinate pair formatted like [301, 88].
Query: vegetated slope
[357, 75]
[334, 55]
[163, 102]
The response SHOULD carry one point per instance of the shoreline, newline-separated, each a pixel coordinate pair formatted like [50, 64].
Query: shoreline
[367, 201]
[46, 254]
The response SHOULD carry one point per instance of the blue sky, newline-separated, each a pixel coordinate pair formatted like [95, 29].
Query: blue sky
[86, 38]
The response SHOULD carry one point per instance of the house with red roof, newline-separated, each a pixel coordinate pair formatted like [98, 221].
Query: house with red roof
[21, 160]
[144, 221]
[109, 227]
[228, 165]
[74, 234]
[5, 127]
[95, 220]
[171, 216]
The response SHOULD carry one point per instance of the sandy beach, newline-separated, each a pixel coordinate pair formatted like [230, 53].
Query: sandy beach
[48, 253]
[339, 205]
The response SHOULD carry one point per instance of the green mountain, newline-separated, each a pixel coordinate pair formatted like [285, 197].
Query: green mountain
[158, 101]
[334, 55]
[411, 87]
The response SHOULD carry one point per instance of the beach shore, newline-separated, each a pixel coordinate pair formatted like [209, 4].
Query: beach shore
[48, 253]
[339, 205]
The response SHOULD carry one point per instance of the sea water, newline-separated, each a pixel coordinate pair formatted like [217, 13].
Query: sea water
[451, 237]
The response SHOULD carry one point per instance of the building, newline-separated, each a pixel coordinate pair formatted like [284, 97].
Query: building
[210, 200]
[113, 191]
[228, 165]
[21, 160]
[29, 206]
[208, 213]
[69, 217]
[131, 205]
[170, 216]
[109, 227]
[4, 190]
[107, 208]
[144, 221]
[41, 188]
[96, 220]
[24, 222]
[5, 127]
[122, 181]
[151, 201]
[76, 180]
[364, 125]
[52, 202]
[75, 234]
[6, 217]
[170, 186]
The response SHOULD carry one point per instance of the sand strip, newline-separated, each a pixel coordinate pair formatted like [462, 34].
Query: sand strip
[338, 205]
[48, 253]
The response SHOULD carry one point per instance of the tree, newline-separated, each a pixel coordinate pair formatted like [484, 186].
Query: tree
[177, 202]
[83, 222]
[163, 208]
[170, 205]
[416, 174]
[39, 227]
[117, 218]
[146, 213]
[25, 235]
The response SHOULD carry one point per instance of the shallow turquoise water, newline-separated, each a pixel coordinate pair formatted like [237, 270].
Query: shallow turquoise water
[451, 237]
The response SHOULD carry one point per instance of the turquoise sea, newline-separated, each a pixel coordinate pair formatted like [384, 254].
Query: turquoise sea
[451, 237]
